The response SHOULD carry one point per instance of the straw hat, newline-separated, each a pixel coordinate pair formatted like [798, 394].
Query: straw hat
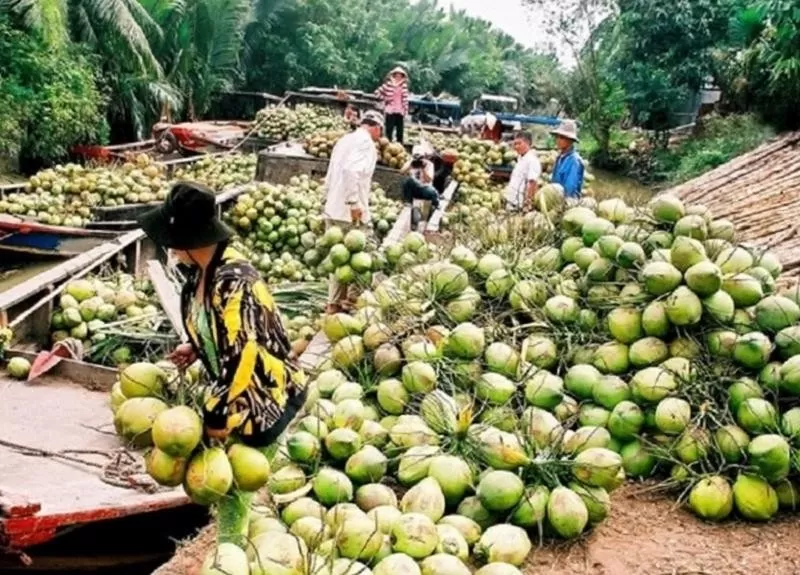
[398, 70]
[568, 129]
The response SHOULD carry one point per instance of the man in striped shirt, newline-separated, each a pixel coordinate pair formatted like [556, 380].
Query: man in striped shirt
[394, 94]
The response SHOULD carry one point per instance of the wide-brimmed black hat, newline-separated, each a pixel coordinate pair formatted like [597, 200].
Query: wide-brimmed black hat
[187, 219]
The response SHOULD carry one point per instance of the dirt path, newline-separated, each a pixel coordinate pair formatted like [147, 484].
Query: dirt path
[645, 535]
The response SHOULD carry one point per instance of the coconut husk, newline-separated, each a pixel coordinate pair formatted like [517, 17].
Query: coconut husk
[760, 193]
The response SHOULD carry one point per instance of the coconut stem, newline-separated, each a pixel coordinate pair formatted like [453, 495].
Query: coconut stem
[233, 518]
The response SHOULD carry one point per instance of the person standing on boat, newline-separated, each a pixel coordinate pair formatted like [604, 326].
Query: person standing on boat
[394, 95]
[347, 186]
[568, 169]
[525, 176]
[231, 320]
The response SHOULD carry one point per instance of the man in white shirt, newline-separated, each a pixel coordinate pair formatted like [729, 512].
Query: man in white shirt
[522, 185]
[347, 186]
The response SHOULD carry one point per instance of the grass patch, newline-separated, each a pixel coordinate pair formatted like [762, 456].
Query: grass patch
[720, 140]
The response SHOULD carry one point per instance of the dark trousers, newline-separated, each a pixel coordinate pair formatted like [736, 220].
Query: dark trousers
[415, 190]
[394, 124]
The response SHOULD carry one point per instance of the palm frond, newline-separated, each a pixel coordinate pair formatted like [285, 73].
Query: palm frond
[46, 17]
[117, 19]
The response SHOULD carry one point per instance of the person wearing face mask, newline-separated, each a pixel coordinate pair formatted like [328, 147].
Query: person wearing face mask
[234, 328]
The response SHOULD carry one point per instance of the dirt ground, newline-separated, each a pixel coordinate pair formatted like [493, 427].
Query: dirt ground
[645, 535]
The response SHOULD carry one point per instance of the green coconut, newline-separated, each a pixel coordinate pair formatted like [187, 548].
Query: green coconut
[672, 415]
[653, 384]
[500, 491]
[720, 308]
[415, 535]
[609, 391]
[637, 460]
[771, 455]
[532, 507]
[683, 307]
[732, 442]
[581, 379]
[503, 544]
[734, 260]
[711, 498]
[660, 278]
[544, 390]
[752, 350]
[625, 324]
[667, 208]
[611, 357]
[743, 288]
[647, 351]
[503, 359]
[754, 498]
[453, 475]
[561, 309]
[787, 341]
[626, 420]
[655, 322]
[756, 415]
[425, 497]
[687, 252]
[332, 486]
[567, 513]
[774, 313]
[209, 476]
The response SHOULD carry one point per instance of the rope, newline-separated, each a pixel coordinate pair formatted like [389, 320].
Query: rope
[123, 469]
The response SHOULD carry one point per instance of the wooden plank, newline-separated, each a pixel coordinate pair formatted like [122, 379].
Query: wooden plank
[67, 269]
[436, 219]
[168, 295]
[89, 375]
[317, 350]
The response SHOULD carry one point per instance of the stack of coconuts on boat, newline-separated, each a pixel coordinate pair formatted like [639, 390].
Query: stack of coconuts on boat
[495, 395]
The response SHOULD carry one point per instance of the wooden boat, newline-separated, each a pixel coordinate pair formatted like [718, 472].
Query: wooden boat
[25, 240]
[63, 467]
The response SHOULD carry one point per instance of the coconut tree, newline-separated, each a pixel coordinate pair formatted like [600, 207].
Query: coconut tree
[200, 47]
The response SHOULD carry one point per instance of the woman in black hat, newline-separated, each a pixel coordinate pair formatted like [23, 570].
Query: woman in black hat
[231, 320]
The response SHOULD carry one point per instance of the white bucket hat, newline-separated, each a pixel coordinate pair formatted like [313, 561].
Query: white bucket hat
[374, 117]
[568, 129]
[398, 70]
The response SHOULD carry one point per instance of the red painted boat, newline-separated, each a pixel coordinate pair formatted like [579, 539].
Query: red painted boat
[63, 465]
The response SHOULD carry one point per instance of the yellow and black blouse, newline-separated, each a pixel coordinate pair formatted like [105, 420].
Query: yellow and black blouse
[256, 388]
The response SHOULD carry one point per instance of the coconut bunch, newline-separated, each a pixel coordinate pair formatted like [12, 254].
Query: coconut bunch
[279, 226]
[118, 319]
[66, 194]
[275, 123]
[157, 408]
[384, 211]
[280, 123]
[282, 231]
[220, 172]
[320, 144]
[312, 119]
[391, 154]
[549, 372]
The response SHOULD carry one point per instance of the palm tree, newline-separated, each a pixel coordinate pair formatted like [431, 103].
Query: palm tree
[201, 46]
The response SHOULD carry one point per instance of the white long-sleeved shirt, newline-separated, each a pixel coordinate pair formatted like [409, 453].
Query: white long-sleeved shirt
[349, 178]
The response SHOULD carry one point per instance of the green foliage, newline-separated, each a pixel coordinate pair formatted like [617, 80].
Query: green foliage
[49, 98]
[665, 51]
[353, 43]
[720, 140]
[762, 66]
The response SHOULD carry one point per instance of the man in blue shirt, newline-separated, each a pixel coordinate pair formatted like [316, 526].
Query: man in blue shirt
[568, 169]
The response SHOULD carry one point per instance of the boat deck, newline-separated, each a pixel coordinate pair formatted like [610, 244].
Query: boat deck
[41, 495]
